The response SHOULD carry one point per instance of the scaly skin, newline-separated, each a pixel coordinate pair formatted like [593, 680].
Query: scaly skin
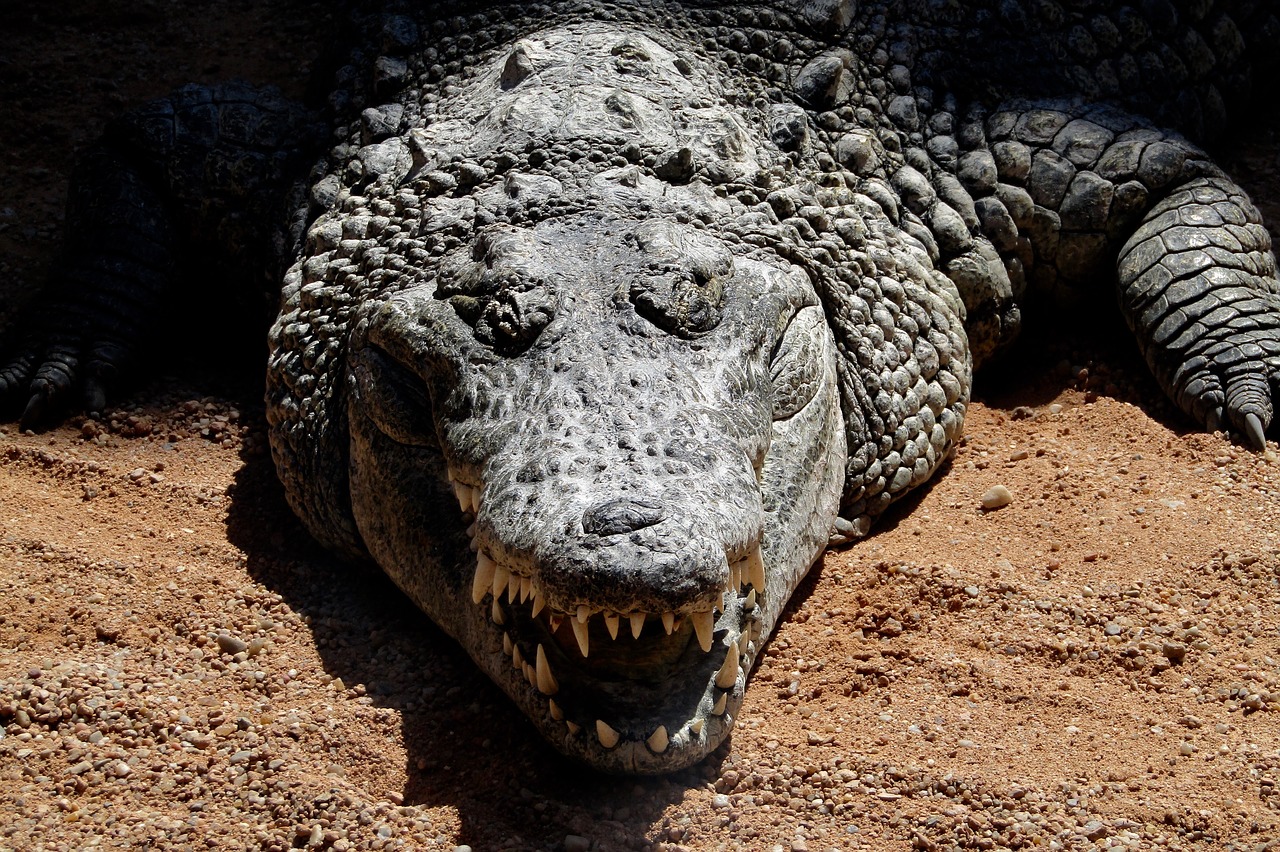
[601, 320]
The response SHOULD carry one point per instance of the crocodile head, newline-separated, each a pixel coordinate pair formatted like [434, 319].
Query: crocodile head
[587, 414]
[630, 436]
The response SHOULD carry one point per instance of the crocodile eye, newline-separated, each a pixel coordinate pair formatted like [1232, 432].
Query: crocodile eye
[498, 293]
[798, 363]
[393, 396]
[680, 286]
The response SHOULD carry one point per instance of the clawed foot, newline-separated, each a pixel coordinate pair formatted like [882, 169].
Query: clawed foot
[48, 381]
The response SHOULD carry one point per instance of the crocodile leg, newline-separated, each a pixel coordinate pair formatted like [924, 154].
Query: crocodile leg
[117, 261]
[1198, 287]
[1089, 190]
[206, 168]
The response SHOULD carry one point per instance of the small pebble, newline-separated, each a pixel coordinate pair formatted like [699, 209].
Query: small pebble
[231, 644]
[996, 497]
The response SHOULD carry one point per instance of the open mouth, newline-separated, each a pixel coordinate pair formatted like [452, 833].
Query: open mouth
[623, 678]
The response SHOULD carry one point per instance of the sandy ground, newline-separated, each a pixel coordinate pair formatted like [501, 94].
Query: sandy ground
[1095, 665]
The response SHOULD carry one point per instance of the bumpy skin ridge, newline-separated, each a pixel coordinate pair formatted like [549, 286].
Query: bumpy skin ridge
[643, 303]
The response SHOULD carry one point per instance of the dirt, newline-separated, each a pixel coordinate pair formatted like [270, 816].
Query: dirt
[1096, 664]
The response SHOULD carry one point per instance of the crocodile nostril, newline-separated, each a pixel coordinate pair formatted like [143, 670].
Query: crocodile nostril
[622, 515]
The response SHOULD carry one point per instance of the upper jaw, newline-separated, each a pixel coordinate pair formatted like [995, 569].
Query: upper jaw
[635, 689]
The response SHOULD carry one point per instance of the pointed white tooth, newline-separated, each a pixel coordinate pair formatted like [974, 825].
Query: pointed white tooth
[583, 613]
[553, 621]
[580, 633]
[473, 499]
[755, 569]
[750, 602]
[721, 703]
[704, 626]
[735, 577]
[495, 612]
[501, 576]
[608, 736]
[573, 727]
[669, 622]
[517, 659]
[464, 499]
[696, 726]
[728, 674]
[556, 712]
[484, 577]
[507, 644]
[530, 676]
[538, 603]
[611, 622]
[658, 740]
[637, 624]
[526, 588]
[546, 681]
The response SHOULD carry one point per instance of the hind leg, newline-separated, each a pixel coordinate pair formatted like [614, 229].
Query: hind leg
[1198, 287]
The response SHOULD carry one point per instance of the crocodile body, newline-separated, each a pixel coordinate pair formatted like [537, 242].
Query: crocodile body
[600, 321]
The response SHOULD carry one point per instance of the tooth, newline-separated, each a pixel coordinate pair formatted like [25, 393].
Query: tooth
[556, 712]
[658, 740]
[460, 491]
[553, 621]
[538, 602]
[501, 576]
[507, 644]
[728, 674]
[546, 681]
[476, 500]
[668, 622]
[611, 622]
[583, 613]
[471, 530]
[526, 588]
[750, 602]
[637, 624]
[721, 703]
[608, 736]
[495, 612]
[573, 727]
[735, 577]
[580, 633]
[755, 569]
[517, 659]
[696, 726]
[473, 546]
[530, 675]
[483, 579]
[703, 625]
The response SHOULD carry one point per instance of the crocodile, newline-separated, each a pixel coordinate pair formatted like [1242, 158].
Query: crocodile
[600, 321]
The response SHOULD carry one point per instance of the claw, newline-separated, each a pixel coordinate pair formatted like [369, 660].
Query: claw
[1255, 431]
[37, 407]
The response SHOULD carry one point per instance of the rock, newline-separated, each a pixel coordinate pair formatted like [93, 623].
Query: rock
[996, 497]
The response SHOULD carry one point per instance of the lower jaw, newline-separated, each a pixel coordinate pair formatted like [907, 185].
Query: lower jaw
[615, 723]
